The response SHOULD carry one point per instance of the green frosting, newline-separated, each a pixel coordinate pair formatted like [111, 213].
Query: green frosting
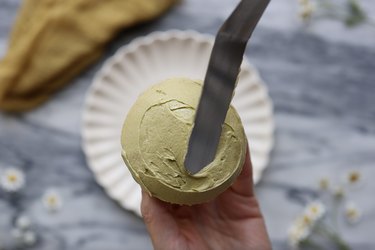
[155, 138]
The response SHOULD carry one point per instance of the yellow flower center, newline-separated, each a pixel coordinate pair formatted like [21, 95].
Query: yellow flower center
[52, 200]
[306, 220]
[351, 213]
[314, 210]
[12, 178]
[324, 183]
[339, 192]
[354, 177]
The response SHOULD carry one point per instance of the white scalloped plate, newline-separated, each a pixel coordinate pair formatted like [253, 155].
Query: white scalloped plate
[142, 63]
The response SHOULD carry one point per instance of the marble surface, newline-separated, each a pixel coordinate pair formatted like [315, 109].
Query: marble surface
[321, 80]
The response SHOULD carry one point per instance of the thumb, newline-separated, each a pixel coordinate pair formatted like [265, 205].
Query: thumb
[244, 182]
[159, 222]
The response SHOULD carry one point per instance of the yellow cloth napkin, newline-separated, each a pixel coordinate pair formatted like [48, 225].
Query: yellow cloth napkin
[53, 40]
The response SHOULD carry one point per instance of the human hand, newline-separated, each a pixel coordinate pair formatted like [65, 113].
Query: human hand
[233, 220]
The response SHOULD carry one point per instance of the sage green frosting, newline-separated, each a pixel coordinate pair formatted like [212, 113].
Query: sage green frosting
[155, 138]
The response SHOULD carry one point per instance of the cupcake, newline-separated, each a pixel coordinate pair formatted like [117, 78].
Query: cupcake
[155, 138]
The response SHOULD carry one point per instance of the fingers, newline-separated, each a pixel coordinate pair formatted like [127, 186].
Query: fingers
[244, 183]
[159, 222]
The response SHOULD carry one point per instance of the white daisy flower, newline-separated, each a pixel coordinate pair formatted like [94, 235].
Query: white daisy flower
[315, 210]
[339, 192]
[12, 179]
[296, 234]
[307, 9]
[52, 200]
[300, 230]
[23, 222]
[324, 183]
[17, 234]
[353, 178]
[304, 2]
[29, 238]
[352, 213]
[305, 221]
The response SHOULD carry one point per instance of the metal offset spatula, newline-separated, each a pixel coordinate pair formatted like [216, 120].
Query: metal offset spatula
[220, 81]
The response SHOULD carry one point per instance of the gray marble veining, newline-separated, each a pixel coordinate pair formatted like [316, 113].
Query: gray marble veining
[320, 78]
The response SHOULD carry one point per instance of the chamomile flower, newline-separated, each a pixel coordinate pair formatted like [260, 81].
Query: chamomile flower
[315, 210]
[297, 233]
[23, 222]
[338, 192]
[29, 238]
[17, 234]
[305, 221]
[300, 229]
[52, 200]
[352, 213]
[307, 9]
[353, 178]
[12, 179]
[324, 183]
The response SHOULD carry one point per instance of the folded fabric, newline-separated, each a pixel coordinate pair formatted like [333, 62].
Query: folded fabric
[54, 40]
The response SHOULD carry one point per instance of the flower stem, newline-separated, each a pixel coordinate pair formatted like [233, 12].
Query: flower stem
[311, 244]
[335, 214]
[341, 244]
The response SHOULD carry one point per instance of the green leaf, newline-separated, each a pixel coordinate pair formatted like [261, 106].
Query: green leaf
[356, 15]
